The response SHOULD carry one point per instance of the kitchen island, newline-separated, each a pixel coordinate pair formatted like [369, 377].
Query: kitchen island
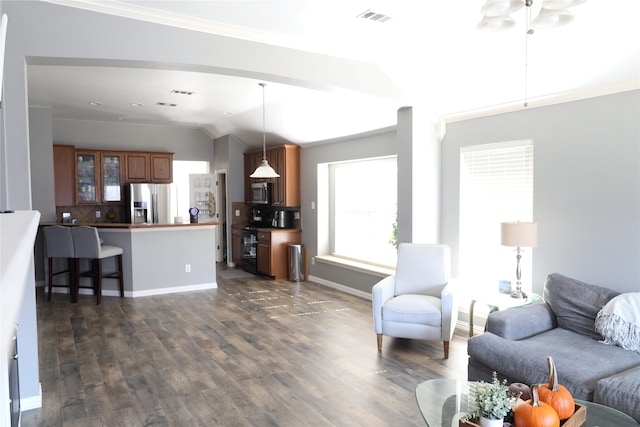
[159, 258]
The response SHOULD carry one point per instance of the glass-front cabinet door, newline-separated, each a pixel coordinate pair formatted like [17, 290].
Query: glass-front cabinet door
[86, 178]
[111, 177]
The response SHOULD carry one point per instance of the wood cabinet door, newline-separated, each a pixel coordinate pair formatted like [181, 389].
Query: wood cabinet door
[236, 246]
[263, 253]
[111, 176]
[137, 167]
[161, 167]
[64, 174]
[87, 173]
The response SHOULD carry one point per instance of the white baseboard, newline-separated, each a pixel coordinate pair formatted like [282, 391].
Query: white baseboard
[343, 288]
[32, 402]
[144, 293]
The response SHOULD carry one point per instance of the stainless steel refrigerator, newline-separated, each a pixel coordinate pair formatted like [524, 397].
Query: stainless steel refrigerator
[148, 203]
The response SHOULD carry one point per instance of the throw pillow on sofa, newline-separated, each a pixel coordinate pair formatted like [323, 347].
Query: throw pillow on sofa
[619, 321]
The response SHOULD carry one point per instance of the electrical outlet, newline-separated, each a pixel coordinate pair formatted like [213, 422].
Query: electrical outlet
[296, 215]
[187, 268]
[237, 212]
[313, 260]
[313, 205]
[98, 214]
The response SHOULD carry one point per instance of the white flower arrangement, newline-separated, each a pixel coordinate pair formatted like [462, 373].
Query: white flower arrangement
[493, 400]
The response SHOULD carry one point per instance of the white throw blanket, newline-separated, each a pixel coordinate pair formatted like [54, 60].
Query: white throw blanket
[619, 321]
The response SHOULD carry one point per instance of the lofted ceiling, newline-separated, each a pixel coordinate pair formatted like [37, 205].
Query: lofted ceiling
[430, 50]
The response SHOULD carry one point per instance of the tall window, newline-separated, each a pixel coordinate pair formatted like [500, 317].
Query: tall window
[363, 205]
[496, 185]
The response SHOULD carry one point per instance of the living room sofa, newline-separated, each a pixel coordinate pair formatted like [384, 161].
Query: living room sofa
[517, 342]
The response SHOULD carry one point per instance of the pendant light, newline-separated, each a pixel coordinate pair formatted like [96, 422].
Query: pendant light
[264, 170]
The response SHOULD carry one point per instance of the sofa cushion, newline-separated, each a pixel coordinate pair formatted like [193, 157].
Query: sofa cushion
[580, 361]
[576, 304]
[621, 392]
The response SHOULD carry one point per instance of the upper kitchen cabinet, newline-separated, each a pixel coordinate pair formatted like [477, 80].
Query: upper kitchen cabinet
[87, 178]
[161, 167]
[63, 174]
[149, 167]
[111, 178]
[285, 160]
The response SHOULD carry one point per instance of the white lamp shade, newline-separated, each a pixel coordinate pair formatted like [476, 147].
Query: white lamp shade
[520, 234]
[264, 171]
[501, 7]
[496, 23]
[552, 18]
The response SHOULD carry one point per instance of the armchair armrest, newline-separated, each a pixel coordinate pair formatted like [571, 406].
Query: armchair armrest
[449, 299]
[381, 292]
[521, 322]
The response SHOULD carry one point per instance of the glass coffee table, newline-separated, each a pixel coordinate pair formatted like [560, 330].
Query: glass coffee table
[443, 402]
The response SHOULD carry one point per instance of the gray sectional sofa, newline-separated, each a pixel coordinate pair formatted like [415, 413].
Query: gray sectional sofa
[517, 342]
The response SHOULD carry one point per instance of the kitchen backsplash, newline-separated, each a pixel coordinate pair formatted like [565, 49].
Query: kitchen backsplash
[87, 214]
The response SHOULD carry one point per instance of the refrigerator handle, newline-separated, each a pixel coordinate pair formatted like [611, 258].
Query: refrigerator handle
[154, 207]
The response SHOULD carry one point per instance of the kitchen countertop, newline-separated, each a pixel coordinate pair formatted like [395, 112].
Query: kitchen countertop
[129, 226]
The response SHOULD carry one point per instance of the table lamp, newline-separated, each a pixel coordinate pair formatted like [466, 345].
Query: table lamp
[519, 234]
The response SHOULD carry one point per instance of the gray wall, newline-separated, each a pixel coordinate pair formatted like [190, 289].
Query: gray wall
[376, 145]
[586, 185]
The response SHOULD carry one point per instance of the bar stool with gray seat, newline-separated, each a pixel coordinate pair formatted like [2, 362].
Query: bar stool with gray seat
[86, 242]
[59, 244]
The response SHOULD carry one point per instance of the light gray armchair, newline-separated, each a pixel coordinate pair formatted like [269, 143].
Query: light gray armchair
[419, 301]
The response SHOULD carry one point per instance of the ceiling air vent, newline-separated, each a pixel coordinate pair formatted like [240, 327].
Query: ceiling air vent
[166, 104]
[374, 16]
[182, 92]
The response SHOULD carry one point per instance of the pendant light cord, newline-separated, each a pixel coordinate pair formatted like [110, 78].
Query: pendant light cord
[264, 129]
[527, 33]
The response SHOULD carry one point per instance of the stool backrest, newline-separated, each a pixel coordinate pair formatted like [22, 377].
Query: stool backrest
[58, 241]
[86, 242]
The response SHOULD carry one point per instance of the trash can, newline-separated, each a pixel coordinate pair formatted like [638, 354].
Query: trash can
[295, 263]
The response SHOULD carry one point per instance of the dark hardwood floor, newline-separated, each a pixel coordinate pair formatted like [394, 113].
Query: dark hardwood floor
[253, 352]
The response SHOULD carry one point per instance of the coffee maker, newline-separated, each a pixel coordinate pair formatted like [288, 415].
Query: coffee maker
[282, 219]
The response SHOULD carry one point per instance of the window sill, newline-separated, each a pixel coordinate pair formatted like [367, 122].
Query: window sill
[355, 265]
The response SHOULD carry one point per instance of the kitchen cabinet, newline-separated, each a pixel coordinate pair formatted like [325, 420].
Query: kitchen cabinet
[111, 177]
[236, 245]
[149, 167]
[272, 251]
[137, 167]
[161, 167]
[285, 160]
[63, 174]
[87, 179]
[98, 176]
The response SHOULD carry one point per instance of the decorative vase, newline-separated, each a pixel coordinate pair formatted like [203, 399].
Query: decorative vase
[486, 422]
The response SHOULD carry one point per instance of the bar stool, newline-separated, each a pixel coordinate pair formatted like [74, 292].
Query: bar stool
[86, 242]
[59, 244]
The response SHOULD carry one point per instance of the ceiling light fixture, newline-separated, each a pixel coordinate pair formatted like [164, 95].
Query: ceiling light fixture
[95, 103]
[264, 170]
[553, 13]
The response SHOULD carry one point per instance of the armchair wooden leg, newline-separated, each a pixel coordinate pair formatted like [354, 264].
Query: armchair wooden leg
[379, 342]
[446, 349]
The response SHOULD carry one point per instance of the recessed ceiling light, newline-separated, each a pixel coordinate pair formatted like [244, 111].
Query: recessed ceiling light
[135, 104]
[166, 104]
[122, 118]
[95, 103]
[227, 113]
[182, 92]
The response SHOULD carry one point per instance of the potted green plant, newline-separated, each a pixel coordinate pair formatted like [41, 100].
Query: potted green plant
[493, 402]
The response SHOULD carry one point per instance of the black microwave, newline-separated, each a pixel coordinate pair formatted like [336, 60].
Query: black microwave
[261, 193]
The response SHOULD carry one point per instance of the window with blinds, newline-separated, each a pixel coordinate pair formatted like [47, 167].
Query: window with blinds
[496, 185]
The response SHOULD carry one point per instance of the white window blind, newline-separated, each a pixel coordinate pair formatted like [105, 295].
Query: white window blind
[496, 185]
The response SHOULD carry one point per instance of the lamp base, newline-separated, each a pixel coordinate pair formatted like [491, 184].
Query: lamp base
[518, 294]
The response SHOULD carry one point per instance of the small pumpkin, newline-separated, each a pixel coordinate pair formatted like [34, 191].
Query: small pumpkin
[534, 413]
[556, 395]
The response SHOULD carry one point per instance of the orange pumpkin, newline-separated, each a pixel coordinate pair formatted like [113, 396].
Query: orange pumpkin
[555, 395]
[534, 413]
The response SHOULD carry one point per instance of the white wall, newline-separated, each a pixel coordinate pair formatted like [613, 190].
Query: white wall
[586, 185]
